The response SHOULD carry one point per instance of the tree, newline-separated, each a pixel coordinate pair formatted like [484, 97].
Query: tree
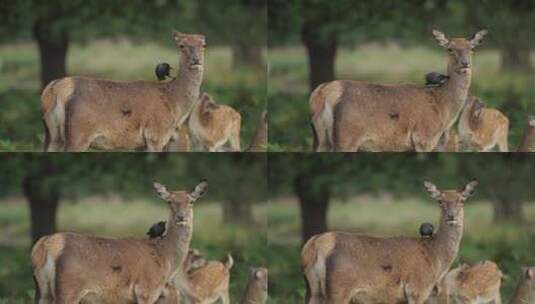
[511, 27]
[323, 25]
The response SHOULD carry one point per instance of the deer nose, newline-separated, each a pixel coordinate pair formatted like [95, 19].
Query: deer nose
[180, 218]
[465, 63]
[195, 61]
[451, 217]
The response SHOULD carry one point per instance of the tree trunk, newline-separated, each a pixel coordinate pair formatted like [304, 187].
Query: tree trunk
[43, 203]
[314, 203]
[52, 52]
[515, 59]
[237, 213]
[508, 211]
[321, 56]
[247, 55]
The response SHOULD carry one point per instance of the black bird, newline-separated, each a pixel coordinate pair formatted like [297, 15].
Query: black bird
[156, 230]
[435, 79]
[162, 71]
[426, 230]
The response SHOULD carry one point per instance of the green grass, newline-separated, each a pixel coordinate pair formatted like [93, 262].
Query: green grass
[514, 94]
[511, 246]
[119, 219]
[20, 122]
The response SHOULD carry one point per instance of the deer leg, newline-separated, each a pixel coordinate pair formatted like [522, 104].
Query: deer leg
[235, 142]
[503, 145]
[77, 140]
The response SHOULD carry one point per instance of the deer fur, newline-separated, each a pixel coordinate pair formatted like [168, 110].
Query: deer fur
[452, 144]
[193, 261]
[207, 284]
[256, 291]
[115, 270]
[525, 289]
[212, 126]
[260, 138]
[341, 267]
[358, 116]
[476, 284]
[528, 139]
[180, 140]
[81, 112]
[481, 128]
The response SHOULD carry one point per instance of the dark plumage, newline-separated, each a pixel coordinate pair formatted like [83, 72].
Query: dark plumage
[435, 79]
[426, 230]
[162, 71]
[156, 230]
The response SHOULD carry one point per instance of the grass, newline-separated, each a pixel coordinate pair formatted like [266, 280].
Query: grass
[119, 219]
[119, 59]
[509, 245]
[513, 93]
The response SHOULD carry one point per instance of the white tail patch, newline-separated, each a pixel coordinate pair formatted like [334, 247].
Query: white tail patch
[327, 119]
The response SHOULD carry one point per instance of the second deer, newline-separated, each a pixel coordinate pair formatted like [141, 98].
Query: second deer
[481, 128]
[341, 267]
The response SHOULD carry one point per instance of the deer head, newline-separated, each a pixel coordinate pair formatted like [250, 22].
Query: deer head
[451, 201]
[192, 49]
[181, 202]
[460, 49]
[528, 278]
[476, 106]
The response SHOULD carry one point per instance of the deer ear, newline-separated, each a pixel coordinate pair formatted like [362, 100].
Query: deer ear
[198, 191]
[178, 36]
[440, 37]
[478, 38]
[432, 189]
[529, 272]
[162, 191]
[469, 188]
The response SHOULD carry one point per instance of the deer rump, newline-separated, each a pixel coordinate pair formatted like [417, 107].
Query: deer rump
[110, 268]
[110, 114]
[384, 276]
[378, 117]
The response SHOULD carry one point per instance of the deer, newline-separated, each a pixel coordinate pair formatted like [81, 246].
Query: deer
[212, 126]
[344, 267]
[482, 128]
[256, 291]
[81, 112]
[116, 270]
[194, 260]
[260, 138]
[207, 284]
[484, 280]
[527, 143]
[479, 283]
[179, 141]
[351, 115]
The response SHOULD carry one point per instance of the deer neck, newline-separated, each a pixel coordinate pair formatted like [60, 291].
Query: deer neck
[465, 121]
[175, 244]
[445, 245]
[185, 90]
[455, 91]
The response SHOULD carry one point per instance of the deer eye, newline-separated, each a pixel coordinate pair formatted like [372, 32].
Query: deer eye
[450, 50]
[181, 46]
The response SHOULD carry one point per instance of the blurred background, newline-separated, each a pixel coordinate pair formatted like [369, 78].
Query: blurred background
[124, 40]
[111, 195]
[389, 41]
[383, 195]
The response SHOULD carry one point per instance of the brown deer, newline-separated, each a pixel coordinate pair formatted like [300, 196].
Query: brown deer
[193, 261]
[115, 270]
[180, 140]
[528, 139]
[525, 290]
[260, 138]
[479, 283]
[256, 291]
[342, 267]
[212, 126]
[481, 128]
[358, 116]
[80, 112]
[208, 284]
